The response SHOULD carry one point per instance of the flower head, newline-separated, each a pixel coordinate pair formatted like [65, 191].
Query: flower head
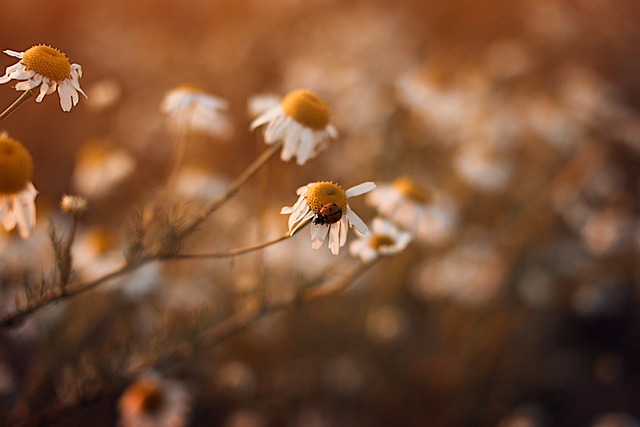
[325, 205]
[384, 239]
[301, 121]
[48, 68]
[154, 401]
[17, 193]
[426, 214]
[100, 167]
[189, 106]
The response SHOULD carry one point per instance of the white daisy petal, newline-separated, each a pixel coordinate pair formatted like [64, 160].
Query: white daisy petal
[14, 53]
[356, 221]
[301, 139]
[334, 238]
[9, 218]
[359, 189]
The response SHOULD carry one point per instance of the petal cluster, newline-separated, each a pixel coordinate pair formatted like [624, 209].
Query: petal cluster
[301, 122]
[382, 240]
[45, 67]
[190, 107]
[311, 198]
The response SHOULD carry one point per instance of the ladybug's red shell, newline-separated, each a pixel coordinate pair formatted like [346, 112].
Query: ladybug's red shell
[329, 214]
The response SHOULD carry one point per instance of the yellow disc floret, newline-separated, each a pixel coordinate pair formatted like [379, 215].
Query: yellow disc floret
[323, 193]
[48, 62]
[378, 241]
[306, 108]
[16, 166]
[408, 188]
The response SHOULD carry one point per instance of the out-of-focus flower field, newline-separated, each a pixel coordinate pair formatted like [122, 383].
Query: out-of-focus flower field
[514, 305]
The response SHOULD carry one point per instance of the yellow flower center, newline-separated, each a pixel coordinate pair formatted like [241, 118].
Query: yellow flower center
[307, 109]
[408, 188]
[145, 396]
[16, 166]
[378, 241]
[323, 193]
[48, 62]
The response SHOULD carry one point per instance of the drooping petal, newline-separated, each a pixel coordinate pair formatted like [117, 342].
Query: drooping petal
[343, 230]
[356, 221]
[25, 212]
[9, 218]
[303, 221]
[318, 235]
[305, 146]
[64, 91]
[334, 238]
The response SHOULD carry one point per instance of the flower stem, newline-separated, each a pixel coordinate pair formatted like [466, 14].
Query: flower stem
[233, 188]
[230, 253]
[65, 274]
[16, 104]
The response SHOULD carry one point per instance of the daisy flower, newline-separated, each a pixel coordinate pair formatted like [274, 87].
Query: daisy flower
[301, 121]
[429, 216]
[99, 167]
[152, 401]
[17, 193]
[325, 205]
[384, 239]
[189, 106]
[48, 68]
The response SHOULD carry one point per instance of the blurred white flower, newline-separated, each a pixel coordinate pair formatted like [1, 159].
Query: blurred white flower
[48, 68]
[384, 238]
[483, 166]
[429, 216]
[190, 108]
[104, 93]
[152, 401]
[199, 183]
[17, 193]
[301, 121]
[325, 205]
[99, 168]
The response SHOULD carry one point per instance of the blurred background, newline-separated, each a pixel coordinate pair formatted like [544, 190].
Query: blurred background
[517, 307]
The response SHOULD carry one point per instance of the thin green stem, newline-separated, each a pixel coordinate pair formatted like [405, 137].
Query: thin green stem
[16, 104]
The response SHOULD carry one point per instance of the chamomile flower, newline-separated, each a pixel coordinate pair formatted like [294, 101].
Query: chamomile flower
[17, 193]
[429, 216]
[325, 205]
[302, 122]
[189, 106]
[48, 68]
[152, 401]
[100, 168]
[384, 239]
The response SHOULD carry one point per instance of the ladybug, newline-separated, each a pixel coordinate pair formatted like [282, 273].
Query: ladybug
[329, 214]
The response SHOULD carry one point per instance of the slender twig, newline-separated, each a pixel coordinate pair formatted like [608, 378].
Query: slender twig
[66, 291]
[16, 104]
[227, 254]
[255, 310]
[56, 294]
[65, 273]
[233, 188]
